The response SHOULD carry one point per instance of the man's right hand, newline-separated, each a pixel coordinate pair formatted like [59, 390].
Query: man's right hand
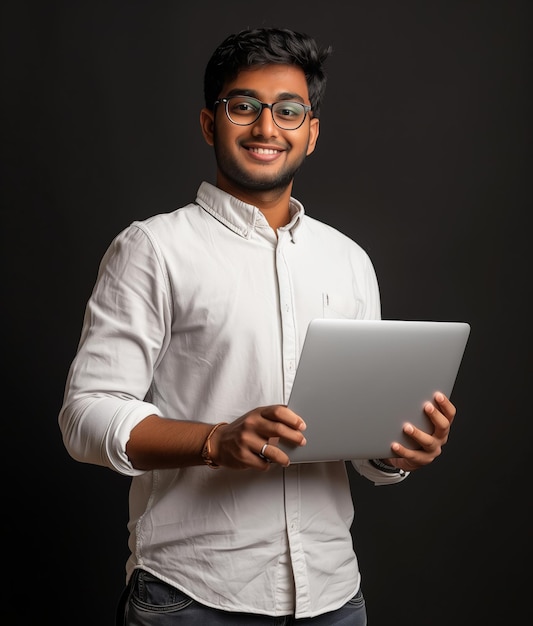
[250, 441]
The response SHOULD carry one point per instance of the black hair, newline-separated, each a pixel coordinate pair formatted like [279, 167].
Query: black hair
[265, 46]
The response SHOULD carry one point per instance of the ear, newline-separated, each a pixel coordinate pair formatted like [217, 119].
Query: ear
[207, 123]
[314, 130]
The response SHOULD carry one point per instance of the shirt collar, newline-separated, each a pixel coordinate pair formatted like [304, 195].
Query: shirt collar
[240, 217]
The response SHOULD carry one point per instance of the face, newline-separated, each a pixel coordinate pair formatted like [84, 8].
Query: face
[261, 156]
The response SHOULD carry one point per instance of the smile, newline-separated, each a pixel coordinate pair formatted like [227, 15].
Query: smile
[263, 150]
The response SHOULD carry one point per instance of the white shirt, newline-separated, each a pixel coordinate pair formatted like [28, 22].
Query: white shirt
[200, 314]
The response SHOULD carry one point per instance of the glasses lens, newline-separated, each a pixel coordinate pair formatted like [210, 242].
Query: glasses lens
[242, 110]
[288, 115]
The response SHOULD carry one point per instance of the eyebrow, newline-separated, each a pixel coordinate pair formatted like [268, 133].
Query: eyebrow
[284, 96]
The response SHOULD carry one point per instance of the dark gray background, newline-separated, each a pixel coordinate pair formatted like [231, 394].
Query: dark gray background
[424, 158]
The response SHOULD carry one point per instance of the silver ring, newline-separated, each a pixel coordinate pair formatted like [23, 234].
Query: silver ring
[262, 453]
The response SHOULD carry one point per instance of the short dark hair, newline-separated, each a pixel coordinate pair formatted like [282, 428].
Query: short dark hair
[265, 46]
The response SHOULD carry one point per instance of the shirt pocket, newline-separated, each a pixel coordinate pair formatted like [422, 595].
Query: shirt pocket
[337, 305]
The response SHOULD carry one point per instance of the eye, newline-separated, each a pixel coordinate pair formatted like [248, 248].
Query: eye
[288, 109]
[244, 106]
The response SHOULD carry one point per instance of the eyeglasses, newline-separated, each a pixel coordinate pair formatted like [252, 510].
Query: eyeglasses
[244, 110]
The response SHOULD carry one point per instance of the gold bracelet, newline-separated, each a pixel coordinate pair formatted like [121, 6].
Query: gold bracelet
[206, 450]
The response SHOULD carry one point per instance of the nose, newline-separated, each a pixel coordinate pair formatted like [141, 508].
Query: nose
[264, 125]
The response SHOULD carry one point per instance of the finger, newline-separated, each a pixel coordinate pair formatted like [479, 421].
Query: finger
[271, 454]
[425, 440]
[440, 421]
[262, 454]
[273, 429]
[429, 445]
[445, 406]
[281, 414]
[410, 460]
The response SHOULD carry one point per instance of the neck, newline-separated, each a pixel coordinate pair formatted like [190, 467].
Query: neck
[275, 210]
[273, 204]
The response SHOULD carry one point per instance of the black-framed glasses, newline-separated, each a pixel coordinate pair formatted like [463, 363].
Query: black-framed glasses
[245, 110]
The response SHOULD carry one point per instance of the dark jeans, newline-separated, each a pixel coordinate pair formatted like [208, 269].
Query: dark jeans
[150, 602]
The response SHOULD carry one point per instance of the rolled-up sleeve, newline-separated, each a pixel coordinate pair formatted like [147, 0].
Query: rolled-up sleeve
[125, 332]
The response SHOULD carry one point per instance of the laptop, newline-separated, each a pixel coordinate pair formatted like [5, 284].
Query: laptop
[358, 381]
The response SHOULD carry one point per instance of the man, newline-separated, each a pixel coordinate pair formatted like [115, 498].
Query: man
[187, 356]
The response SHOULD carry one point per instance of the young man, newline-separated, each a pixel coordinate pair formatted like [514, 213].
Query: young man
[187, 356]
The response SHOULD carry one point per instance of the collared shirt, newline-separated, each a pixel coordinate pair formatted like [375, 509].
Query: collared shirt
[200, 314]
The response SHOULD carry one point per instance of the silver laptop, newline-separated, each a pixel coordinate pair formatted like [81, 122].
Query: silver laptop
[359, 381]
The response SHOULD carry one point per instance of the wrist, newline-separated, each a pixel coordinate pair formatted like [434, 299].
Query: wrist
[207, 453]
[383, 466]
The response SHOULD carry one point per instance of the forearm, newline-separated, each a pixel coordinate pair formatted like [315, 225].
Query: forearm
[161, 443]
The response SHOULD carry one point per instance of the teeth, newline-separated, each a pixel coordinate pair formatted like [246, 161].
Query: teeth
[264, 150]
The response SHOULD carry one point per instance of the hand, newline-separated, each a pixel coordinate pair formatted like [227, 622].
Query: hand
[250, 441]
[441, 414]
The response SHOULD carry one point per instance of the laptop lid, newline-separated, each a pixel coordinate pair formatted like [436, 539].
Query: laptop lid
[359, 381]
